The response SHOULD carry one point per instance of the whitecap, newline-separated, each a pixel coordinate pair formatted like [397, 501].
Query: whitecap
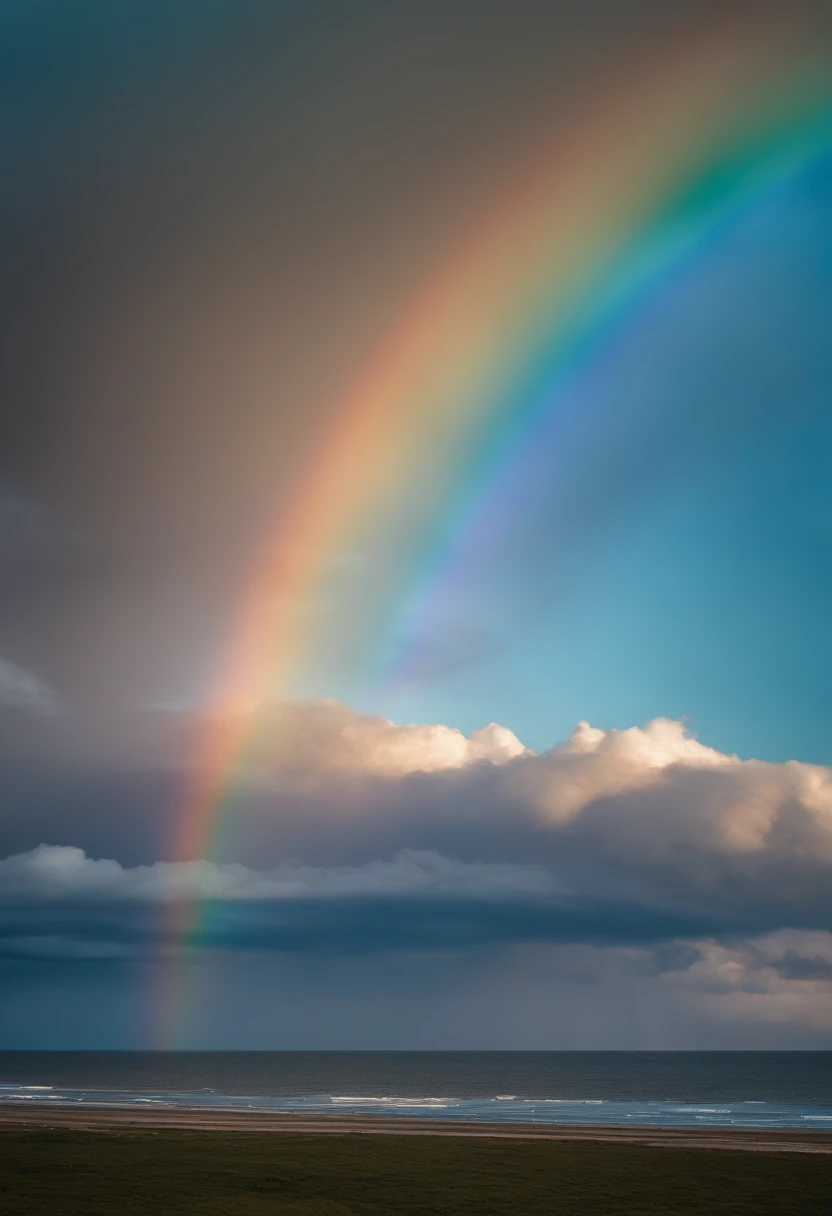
[396, 1101]
[338, 1098]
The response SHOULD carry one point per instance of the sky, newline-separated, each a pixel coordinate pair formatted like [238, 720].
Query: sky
[415, 524]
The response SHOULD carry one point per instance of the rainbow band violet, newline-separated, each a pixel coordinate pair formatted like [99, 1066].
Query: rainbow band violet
[446, 411]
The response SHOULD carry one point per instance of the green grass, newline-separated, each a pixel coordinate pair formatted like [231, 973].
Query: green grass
[67, 1173]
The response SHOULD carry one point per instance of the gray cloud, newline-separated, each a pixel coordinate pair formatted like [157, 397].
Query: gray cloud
[781, 978]
[21, 689]
[795, 966]
[66, 873]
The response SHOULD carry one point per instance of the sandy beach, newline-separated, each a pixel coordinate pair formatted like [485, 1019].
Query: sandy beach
[101, 1118]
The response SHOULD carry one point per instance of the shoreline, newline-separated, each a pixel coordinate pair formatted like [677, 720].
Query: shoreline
[110, 1119]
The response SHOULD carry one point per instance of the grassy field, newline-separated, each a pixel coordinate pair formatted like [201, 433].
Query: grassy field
[67, 1173]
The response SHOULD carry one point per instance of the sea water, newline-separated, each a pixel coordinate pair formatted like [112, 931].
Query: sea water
[682, 1089]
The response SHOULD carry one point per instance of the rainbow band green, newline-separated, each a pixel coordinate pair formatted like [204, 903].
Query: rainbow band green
[681, 235]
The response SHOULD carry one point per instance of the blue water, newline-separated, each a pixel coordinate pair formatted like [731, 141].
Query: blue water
[683, 1089]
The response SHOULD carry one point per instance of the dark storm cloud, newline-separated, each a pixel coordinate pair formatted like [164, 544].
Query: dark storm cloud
[353, 927]
[496, 909]
[795, 966]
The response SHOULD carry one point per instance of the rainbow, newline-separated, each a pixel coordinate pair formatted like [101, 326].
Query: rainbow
[626, 189]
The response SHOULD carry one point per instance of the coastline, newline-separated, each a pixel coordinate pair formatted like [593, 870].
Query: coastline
[108, 1119]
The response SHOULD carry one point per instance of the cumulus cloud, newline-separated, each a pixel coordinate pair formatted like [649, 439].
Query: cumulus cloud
[656, 790]
[594, 764]
[641, 798]
[20, 689]
[319, 738]
[648, 791]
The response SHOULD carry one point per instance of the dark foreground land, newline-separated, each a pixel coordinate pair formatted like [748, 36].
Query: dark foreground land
[66, 1172]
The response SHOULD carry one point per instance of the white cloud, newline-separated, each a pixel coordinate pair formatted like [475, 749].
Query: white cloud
[657, 791]
[648, 794]
[651, 792]
[595, 764]
[320, 738]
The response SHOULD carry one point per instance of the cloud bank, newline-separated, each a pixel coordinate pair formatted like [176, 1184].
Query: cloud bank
[59, 872]
[421, 836]
[639, 856]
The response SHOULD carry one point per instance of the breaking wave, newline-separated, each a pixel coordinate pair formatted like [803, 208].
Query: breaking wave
[501, 1108]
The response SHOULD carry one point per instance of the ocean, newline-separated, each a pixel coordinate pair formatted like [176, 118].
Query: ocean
[684, 1089]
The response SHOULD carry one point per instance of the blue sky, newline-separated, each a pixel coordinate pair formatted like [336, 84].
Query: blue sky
[703, 589]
